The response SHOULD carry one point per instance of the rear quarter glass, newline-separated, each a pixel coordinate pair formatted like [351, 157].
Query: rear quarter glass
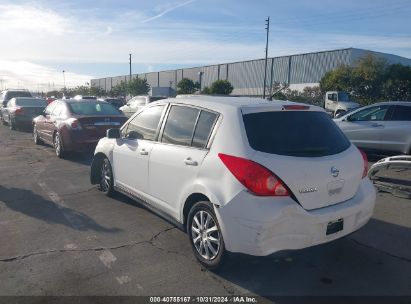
[294, 133]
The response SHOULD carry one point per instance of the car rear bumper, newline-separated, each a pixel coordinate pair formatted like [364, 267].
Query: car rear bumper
[261, 226]
[77, 142]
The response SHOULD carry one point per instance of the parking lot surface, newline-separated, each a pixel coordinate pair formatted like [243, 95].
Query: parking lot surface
[60, 236]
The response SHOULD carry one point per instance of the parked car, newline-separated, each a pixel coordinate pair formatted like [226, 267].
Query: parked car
[20, 111]
[239, 174]
[381, 127]
[116, 102]
[137, 102]
[50, 99]
[73, 125]
[6, 95]
[82, 97]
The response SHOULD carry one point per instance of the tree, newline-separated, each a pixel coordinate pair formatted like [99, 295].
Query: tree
[186, 86]
[222, 87]
[370, 80]
[138, 86]
[119, 89]
[397, 82]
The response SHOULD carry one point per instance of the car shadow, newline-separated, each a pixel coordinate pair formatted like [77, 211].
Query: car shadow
[371, 261]
[33, 205]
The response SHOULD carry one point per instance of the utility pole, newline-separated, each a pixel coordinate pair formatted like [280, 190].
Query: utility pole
[267, 27]
[130, 65]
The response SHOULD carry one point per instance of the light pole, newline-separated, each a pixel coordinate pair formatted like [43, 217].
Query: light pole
[64, 80]
[130, 65]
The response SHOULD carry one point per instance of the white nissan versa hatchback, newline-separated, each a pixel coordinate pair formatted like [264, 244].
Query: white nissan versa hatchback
[239, 174]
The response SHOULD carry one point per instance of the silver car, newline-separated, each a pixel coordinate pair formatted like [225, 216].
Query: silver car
[384, 126]
[137, 102]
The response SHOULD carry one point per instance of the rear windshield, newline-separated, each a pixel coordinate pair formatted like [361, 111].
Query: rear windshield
[95, 108]
[31, 102]
[12, 94]
[294, 133]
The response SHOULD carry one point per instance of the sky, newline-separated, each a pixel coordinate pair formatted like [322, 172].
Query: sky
[93, 39]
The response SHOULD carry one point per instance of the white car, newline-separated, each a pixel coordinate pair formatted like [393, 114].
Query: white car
[239, 174]
[138, 102]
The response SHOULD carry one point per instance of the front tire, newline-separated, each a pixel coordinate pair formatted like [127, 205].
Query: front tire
[106, 178]
[36, 137]
[12, 125]
[58, 147]
[205, 235]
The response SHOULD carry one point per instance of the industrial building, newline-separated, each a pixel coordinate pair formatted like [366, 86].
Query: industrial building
[247, 77]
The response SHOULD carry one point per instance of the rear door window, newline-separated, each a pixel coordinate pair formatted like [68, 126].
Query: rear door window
[203, 129]
[402, 113]
[179, 127]
[294, 133]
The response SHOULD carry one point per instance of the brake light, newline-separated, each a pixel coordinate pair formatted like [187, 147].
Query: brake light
[365, 159]
[256, 178]
[74, 124]
[19, 111]
[296, 107]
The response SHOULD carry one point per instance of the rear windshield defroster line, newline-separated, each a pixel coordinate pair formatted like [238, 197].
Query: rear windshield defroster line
[294, 133]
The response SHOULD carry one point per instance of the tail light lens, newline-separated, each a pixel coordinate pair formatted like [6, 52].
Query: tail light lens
[19, 111]
[256, 178]
[365, 168]
[73, 124]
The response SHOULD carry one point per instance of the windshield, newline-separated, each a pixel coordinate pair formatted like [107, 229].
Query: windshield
[343, 96]
[31, 102]
[95, 108]
[294, 133]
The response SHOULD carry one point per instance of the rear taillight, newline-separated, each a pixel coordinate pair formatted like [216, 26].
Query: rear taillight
[73, 124]
[19, 111]
[365, 159]
[256, 178]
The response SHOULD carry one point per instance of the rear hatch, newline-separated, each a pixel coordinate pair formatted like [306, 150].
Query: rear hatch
[96, 126]
[308, 152]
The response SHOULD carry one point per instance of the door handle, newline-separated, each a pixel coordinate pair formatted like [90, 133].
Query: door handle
[143, 152]
[376, 125]
[189, 162]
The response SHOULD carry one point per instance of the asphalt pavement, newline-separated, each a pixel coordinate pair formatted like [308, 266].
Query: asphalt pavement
[60, 236]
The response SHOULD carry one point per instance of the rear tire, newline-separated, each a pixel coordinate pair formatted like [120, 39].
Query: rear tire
[58, 147]
[106, 177]
[205, 235]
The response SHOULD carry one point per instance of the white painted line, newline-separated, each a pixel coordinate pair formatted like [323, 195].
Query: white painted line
[69, 215]
[123, 279]
[107, 258]
[70, 246]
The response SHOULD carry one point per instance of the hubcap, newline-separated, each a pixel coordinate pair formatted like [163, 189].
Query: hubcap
[105, 176]
[205, 235]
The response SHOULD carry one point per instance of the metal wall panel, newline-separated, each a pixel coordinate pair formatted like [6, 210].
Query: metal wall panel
[280, 69]
[166, 77]
[247, 77]
[210, 75]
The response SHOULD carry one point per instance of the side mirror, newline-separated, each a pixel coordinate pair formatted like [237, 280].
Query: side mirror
[113, 133]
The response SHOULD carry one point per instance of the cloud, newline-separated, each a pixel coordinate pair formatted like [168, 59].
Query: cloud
[23, 74]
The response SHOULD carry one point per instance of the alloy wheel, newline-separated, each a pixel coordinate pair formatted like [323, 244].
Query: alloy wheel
[57, 144]
[205, 235]
[105, 177]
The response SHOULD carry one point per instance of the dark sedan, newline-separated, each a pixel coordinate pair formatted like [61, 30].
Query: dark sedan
[20, 111]
[75, 125]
